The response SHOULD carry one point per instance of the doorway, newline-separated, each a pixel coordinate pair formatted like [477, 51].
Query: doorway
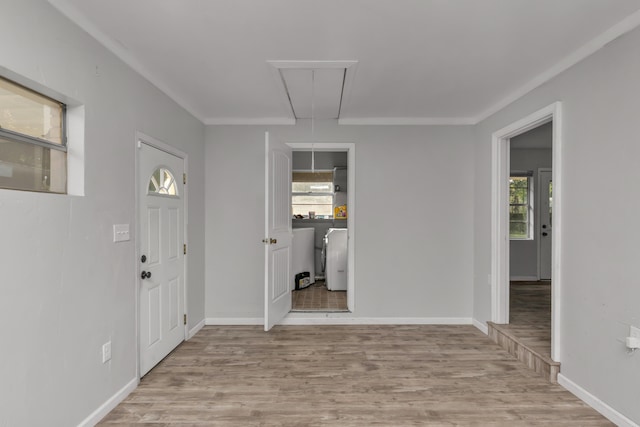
[530, 238]
[161, 251]
[319, 206]
[501, 224]
[328, 229]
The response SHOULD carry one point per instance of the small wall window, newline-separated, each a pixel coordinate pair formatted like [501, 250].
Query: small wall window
[520, 205]
[163, 183]
[33, 149]
[312, 192]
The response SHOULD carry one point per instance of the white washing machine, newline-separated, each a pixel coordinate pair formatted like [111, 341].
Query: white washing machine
[335, 254]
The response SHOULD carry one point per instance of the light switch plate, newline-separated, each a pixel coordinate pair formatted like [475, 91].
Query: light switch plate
[121, 233]
[106, 352]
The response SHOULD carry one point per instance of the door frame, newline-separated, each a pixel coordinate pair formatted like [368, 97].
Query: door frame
[500, 217]
[350, 148]
[539, 230]
[162, 146]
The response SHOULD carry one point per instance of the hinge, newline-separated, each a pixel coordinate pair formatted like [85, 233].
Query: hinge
[184, 178]
[185, 319]
[184, 248]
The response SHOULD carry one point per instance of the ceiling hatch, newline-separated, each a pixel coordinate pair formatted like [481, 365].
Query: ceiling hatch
[314, 89]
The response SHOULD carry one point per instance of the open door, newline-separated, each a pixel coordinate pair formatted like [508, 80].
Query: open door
[278, 234]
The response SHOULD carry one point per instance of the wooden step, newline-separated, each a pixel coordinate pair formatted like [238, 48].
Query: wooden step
[540, 363]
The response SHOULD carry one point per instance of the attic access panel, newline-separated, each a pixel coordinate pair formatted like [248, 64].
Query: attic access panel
[314, 89]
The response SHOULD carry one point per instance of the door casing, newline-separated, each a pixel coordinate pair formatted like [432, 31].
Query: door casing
[153, 142]
[499, 277]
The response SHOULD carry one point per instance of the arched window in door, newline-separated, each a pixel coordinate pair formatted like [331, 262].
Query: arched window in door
[163, 183]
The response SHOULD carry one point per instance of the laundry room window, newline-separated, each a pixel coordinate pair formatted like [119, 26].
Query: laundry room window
[33, 150]
[312, 192]
[521, 206]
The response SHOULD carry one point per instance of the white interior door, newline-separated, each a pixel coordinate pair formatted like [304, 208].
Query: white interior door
[161, 225]
[545, 186]
[278, 234]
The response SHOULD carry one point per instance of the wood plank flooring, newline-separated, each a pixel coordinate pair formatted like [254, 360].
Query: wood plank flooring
[528, 335]
[347, 376]
[530, 314]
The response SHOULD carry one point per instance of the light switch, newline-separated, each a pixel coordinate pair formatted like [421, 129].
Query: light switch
[121, 233]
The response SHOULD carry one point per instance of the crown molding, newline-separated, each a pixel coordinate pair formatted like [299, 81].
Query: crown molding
[71, 12]
[407, 121]
[618, 30]
[122, 53]
[265, 121]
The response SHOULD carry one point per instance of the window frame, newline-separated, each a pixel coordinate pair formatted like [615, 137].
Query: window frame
[331, 193]
[21, 138]
[24, 138]
[529, 205]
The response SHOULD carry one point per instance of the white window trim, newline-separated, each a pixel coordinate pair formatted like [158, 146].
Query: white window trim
[530, 206]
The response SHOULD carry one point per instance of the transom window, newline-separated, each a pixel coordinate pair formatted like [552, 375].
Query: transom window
[163, 183]
[520, 206]
[312, 192]
[33, 150]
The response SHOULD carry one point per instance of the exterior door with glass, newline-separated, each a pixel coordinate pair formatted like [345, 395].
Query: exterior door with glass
[161, 264]
[545, 185]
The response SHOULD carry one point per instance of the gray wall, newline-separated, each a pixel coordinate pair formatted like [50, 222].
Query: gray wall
[528, 153]
[413, 232]
[65, 288]
[600, 292]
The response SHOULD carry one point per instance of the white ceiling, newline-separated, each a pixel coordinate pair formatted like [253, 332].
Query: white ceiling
[418, 61]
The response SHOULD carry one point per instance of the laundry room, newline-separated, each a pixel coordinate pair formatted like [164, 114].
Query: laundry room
[320, 212]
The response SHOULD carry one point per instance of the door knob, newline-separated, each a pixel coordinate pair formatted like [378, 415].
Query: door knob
[143, 258]
[145, 275]
[273, 241]
[545, 234]
[543, 226]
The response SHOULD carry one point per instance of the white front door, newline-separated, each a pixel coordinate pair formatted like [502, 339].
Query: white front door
[545, 186]
[278, 234]
[161, 263]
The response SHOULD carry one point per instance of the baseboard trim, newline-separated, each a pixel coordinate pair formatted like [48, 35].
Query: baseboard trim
[338, 318]
[195, 329]
[482, 326]
[597, 404]
[109, 405]
[233, 321]
[524, 278]
[344, 319]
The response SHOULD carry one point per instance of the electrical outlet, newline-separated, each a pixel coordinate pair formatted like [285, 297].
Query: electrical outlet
[634, 332]
[106, 352]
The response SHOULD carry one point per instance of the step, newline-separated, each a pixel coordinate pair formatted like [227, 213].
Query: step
[539, 363]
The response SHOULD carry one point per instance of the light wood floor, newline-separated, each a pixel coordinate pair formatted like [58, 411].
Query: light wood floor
[318, 298]
[347, 376]
[530, 315]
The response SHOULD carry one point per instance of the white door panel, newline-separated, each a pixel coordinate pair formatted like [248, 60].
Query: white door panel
[278, 234]
[161, 226]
